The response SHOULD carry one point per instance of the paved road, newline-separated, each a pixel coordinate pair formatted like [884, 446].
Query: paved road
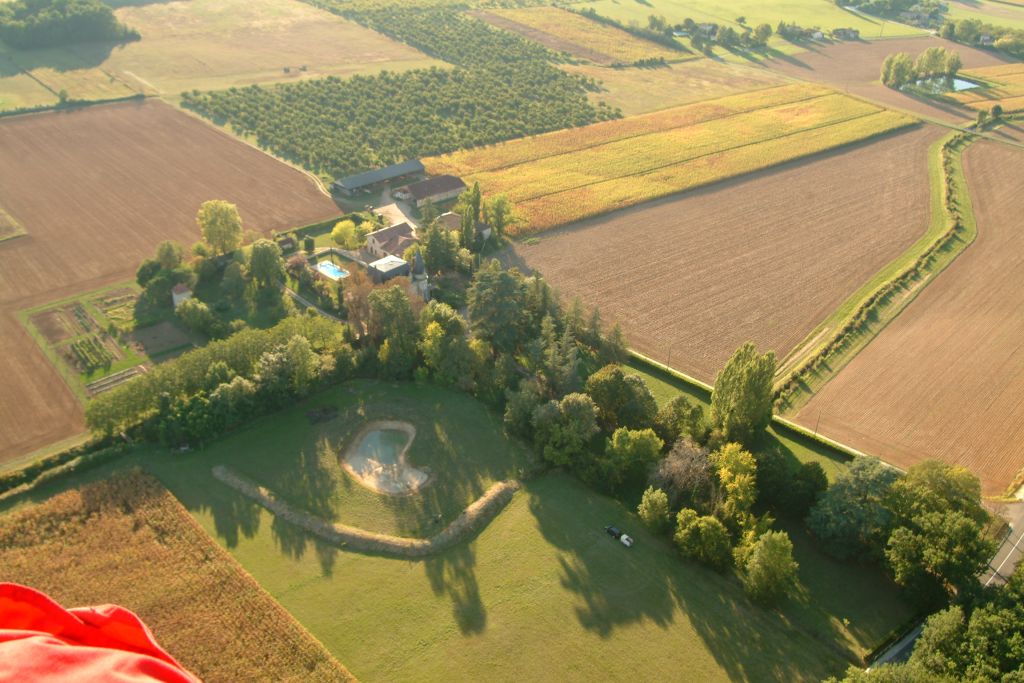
[1011, 551]
[1000, 568]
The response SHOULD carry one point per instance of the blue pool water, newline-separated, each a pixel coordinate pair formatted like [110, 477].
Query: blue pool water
[332, 271]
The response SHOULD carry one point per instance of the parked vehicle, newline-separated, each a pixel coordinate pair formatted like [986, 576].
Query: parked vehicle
[617, 534]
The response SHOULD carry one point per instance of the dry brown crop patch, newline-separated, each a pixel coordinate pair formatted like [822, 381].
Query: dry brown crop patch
[127, 541]
[96, 190]
[944, 379]
[764, 258]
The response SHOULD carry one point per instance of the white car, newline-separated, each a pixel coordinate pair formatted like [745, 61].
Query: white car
[626, 540]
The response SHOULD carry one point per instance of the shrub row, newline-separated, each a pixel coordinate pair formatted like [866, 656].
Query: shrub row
[71, 460]
[871, 306]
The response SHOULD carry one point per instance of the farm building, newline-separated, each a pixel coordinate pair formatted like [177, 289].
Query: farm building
[846, 34]
[391, 241]
[436, 189]
[180, 294]
[364, 181]
[386, 268]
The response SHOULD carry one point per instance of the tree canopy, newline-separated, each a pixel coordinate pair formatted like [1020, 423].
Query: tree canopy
[220, 225]
[741, 403]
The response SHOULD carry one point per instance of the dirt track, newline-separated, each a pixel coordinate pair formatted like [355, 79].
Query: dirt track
[97, 189]
[764, 258]
[855, 68]
[946, 378]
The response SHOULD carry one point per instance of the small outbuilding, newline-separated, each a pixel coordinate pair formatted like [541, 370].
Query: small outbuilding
[386, 268]
[436, 189]
[180, 293]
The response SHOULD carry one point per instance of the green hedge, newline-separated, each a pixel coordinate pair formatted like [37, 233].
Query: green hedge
[71, 460]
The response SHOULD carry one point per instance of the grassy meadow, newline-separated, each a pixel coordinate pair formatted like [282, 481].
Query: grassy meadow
[807, 13]
[126, 540]
[543, 578]
[565, 176]
[592, 36]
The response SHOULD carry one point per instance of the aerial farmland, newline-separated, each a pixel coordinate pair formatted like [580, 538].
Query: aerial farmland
[461, 340]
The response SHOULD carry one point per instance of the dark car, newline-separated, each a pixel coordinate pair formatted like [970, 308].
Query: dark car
[614, 532]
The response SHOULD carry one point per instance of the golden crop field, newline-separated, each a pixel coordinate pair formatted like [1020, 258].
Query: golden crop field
[1007, 89]
[567, 31]
[127, 541]
[565, 176]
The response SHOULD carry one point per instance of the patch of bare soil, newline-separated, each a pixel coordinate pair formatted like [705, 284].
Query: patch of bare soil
[764, 258]
[97, 189]
[945, 379]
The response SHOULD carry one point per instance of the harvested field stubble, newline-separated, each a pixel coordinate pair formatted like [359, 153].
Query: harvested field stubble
[127, 541]
[97, 189]
[763, 258]
[956, 347]
[561, 177]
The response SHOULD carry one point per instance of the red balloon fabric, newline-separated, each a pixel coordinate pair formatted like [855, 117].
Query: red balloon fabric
[41, 642]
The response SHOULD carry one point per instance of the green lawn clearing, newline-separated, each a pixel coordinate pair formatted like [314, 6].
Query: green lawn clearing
[541, 594]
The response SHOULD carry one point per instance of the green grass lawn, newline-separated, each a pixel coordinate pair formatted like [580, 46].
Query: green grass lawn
[541, 594]
[457, 438]
[807, 13]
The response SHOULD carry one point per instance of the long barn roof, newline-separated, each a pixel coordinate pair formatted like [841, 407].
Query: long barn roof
[354, 182]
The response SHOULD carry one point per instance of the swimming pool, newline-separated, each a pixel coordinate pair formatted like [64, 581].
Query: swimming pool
[331, 271]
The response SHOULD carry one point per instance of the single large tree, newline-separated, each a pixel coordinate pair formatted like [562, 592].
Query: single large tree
[853, 516]
[265, 265]
[770, 571]
[741, 403]
[496, 300]
[499, 214]
[623, 400]
[220, 225]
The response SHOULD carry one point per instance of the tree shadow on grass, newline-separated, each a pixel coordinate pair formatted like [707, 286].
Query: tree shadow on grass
[617, 587]
[453, 574]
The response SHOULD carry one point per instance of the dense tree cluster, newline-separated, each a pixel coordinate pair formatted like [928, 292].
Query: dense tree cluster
[927, 526]
[502, 86]
[34, 24]
[975, 32]
[900, 69]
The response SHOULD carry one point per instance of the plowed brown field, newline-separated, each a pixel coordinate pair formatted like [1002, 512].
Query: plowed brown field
[946, 378]
[764, 258]
[96, 190]
[856, 67]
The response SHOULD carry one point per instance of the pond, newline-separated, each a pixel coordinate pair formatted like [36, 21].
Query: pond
[937, 85]
[377, 459]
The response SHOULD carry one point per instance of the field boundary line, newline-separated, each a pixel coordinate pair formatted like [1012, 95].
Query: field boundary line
[472, 520]
[894, 294]
[724, 150]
